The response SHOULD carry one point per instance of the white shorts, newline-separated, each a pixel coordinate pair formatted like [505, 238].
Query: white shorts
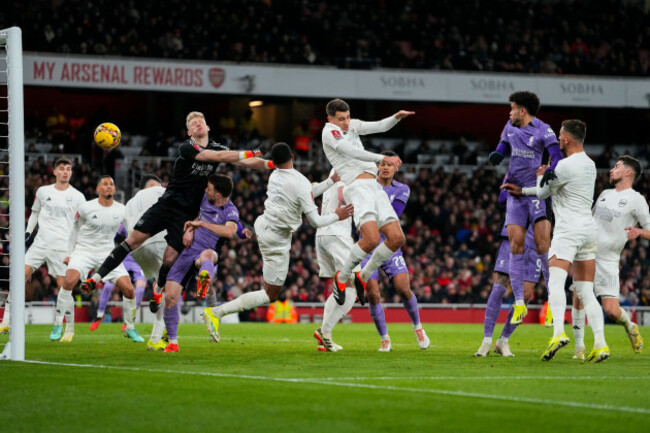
[606, 281]
[275, 246]
[370, 202]
[332, 252]
[578, 246]
[150, 257]
[37, 256]
[84, 264]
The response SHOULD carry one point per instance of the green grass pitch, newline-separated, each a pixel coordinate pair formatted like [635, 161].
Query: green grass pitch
[271, 378]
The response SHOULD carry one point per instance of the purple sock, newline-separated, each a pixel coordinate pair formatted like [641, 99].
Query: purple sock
[544, 258]
[207, 265]
[412, 308]
[508, 329]
[172, 317]
[104, 297]
[377, 313]
[517, 275]
[493, 309]
[139, 292]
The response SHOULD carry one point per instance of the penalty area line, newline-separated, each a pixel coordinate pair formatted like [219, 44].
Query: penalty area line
[326, 382]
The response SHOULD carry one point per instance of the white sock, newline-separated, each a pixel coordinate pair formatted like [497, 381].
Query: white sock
[158, 323]
[417, 327]
[578, 321]
[385, 337]
[65, 307]
[504, 339]
[128, 311]
[379, 256]
[519, 302]
[100, 314]
[354, 258]
[244, 302]
[6, 318]
[593, 311]
[334, 312]
[623, 319]
[487, 340]
[557, 298]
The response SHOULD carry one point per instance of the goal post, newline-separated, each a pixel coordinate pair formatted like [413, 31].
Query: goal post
[12, 144]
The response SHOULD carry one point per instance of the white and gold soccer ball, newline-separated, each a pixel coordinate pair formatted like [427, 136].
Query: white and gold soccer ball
[107, 135]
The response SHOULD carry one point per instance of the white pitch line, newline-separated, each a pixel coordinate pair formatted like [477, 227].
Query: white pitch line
[487, 378]
[595, 406]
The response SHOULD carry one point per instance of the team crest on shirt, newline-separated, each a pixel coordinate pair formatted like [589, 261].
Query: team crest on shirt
[622, 202]
[68, 199]
[530, 141]
[336, 134]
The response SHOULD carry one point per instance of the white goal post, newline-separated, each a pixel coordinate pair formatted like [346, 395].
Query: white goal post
[12, 143]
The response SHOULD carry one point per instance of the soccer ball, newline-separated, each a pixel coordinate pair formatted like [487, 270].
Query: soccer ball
[107, 135]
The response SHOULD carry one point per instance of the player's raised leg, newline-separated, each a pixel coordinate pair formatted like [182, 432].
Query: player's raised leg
[613, 309]
[206, 264]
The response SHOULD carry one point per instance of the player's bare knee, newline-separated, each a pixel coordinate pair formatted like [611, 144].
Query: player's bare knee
[369, 243]
[501, 279]
[395, 241]
[516, 247]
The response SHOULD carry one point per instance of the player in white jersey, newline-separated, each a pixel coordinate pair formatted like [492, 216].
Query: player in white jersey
[96, 223]
[289, 196]
[372, 209]
[150, 254]
[575, 238]
[333, 245]
[53, 211]
[617, 211]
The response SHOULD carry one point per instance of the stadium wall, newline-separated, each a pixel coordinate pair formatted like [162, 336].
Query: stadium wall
[284, 81]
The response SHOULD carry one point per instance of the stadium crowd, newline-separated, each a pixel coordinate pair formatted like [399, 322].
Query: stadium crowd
[600, 37]
[452, 224]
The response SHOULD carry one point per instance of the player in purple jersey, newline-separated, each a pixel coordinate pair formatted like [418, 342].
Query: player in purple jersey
[524, 139]
[501, 282]
[215, 225]
[532, 274]
[395, 267]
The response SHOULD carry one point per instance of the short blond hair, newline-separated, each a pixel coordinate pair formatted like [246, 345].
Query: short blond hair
[193, 115]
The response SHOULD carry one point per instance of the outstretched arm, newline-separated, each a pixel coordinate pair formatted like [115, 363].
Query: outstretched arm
[227, 230]
[255, 163]
[382, 125]
[316, 220]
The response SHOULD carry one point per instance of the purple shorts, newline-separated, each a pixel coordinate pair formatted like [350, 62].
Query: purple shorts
[532, 262]
[185, 262]
[393, 266]
[133, 268]
[524, 210]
